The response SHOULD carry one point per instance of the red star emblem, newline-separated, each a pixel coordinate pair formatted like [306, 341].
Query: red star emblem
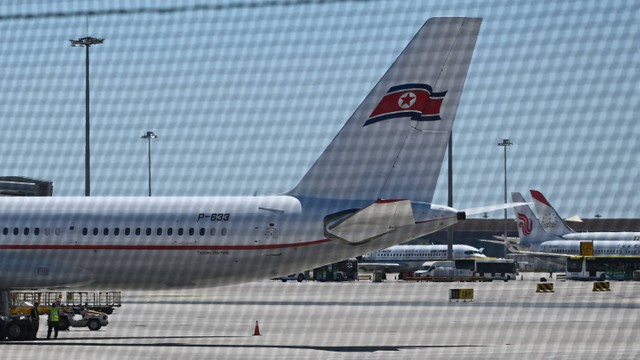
[407, 100]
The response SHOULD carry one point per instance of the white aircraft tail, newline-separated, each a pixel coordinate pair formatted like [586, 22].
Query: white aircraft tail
[529, 228]
[550, 220]
[393, 145]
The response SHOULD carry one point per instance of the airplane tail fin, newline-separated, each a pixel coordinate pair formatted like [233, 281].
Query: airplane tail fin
[393, 145]
[529, 228]
[551, 221]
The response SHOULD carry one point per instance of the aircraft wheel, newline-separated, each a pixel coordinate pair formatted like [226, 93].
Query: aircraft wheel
[300, 277]
[16, 331]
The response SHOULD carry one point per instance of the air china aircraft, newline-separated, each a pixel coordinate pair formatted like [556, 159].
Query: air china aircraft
[401, 258]
[555, 225]
[534, 240]
[370, 189]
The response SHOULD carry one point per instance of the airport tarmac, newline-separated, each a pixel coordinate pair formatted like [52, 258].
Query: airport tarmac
[361, 320]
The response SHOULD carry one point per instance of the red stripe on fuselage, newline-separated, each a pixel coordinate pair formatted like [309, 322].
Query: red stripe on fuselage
[160, 247]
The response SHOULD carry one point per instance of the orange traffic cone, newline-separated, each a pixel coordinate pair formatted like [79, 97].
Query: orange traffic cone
[256, 331]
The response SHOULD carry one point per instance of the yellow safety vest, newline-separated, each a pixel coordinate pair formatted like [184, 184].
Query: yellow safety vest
[53, 315]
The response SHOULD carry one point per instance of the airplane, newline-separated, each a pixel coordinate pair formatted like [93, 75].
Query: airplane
[555, 225]
[370, 189]
[401, 258]
[535, 240]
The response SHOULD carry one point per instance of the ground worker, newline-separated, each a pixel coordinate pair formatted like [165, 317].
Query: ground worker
[35, 322]
[53, 321]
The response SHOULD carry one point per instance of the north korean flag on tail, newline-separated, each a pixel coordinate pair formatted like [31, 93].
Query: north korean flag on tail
[417, 101]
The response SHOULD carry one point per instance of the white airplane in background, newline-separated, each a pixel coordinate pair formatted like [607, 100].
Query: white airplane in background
[370, 189]
[401, 258]
[534, 240]
[555, 225]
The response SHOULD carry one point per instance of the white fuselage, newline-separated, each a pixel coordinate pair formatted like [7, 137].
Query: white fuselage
[600, 248]
[411, 257]
[166, 242]
[603, 236]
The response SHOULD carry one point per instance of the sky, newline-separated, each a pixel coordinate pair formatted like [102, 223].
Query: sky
[245, 95]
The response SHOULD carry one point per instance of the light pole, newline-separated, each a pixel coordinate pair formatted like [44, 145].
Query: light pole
[504, 144]
[87, 42]
[149, 135]
[450, 195]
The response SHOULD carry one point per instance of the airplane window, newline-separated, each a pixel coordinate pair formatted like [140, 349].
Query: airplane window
[85, 231]
[202, 231]
[138, 231]
[36, 231]
[26, 231]
[213, 231]
[5, 231]
[47, 231]
[127, 231]
[191, 231]
[180, 231]
[105, 231]
[57, 231]
[16, 231]
[159, 231]
[148, 231]
[96, 231]
[170, 231]
[116, 231]
[223, 232]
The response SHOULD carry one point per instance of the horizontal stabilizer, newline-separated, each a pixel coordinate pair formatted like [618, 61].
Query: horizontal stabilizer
[574, 218]
[484, 209]
[379, 218]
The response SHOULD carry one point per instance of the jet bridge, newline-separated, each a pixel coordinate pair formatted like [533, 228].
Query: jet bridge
[24, 186]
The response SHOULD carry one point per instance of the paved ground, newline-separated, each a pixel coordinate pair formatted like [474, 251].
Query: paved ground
[361, 321]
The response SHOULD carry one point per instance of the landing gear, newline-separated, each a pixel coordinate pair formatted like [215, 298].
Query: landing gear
[14, 327]
[17, 330]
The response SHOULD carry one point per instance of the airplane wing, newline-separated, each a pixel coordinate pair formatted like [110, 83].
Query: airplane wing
[540, 254]
[514, 247]
[499, 242]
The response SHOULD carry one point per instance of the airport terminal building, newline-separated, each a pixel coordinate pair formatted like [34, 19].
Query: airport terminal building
[24, 186]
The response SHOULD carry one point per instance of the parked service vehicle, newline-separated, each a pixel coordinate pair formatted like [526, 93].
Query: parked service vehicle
[429, 267]
[299, 277]
[70, 317]
[487, 269]
[16, 327]
[80, 317]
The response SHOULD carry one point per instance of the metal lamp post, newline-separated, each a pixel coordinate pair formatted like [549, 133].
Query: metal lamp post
[149, 135]
[504, 144]
[87, 42]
